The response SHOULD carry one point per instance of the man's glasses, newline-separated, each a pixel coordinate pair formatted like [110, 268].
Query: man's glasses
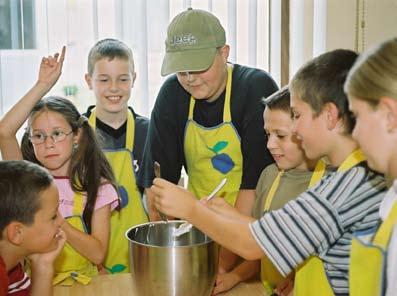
[56, 136]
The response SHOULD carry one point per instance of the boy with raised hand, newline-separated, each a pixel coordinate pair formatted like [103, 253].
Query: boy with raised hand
[312, 233]
[29, 227]
[122, 133]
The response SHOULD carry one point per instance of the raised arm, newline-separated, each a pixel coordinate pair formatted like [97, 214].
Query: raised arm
[49, 72]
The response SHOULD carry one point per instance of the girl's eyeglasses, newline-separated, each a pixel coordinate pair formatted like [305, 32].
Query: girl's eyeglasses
[56, 136]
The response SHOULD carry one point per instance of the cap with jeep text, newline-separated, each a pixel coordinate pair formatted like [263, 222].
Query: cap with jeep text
[193, 37]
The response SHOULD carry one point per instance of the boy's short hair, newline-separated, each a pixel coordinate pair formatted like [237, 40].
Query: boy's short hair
[109, 48]
[280, 100]
[20, 184]
[321, 81]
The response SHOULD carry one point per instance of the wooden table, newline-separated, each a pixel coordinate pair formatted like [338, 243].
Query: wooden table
[122, 285]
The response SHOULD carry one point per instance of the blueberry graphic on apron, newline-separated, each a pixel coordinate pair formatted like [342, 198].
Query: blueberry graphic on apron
[123, 197]
[221, 162]
[116, 268]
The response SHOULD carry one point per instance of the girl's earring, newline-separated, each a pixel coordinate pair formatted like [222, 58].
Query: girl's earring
[75, 146]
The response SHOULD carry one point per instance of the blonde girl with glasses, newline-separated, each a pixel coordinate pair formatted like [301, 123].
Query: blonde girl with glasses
[61, 140]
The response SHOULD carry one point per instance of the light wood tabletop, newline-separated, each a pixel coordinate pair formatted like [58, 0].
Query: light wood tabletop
[122, 285]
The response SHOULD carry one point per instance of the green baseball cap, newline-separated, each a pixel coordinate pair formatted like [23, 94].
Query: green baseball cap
[192, 39]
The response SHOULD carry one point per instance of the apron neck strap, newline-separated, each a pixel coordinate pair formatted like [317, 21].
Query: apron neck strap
[318, 173]
[382, 236]
[226, 107]
[130, 132]
[352, 160]
[272, 191]
[78, 203]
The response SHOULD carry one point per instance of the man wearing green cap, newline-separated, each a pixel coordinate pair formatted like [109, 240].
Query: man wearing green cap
[207, 117]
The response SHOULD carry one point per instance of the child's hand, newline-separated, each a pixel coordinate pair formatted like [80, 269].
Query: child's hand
[220, 206]
[51, 69]
[43, 260]
[171, 199]
[285, 288]
[224, 282]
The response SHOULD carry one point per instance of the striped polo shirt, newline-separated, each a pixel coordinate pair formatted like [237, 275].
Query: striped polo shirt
[321, 221]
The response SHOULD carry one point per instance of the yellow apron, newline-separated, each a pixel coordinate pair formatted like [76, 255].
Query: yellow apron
[214, 153]
[70, 266]
[269, 274]
[310, 277]
[132, 212]
[367, 271]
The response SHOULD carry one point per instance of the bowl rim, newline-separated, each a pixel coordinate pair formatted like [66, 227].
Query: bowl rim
[210, 240]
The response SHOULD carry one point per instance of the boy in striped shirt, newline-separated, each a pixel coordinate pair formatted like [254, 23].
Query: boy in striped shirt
[311, 234]
[29, 227]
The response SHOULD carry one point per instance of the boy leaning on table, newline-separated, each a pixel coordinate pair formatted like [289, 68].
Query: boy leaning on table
[314, 231]
[30, 228]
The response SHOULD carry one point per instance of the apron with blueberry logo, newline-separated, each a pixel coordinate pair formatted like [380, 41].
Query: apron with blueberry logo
[214, 153]
[131, 210]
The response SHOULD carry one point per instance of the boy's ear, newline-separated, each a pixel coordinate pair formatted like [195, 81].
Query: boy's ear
[225, 52]
[332, 115]
[389, 106]
[88, 79]
[15, 233]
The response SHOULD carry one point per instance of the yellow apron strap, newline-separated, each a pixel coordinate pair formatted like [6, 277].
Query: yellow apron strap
[371, 281]
[92, 119]
[366, 268]
[272, 191]
[227, 117]
[382, 236]
[318, 173]
[78, 204]
[353, 159]
[130, 133]
[191, 108]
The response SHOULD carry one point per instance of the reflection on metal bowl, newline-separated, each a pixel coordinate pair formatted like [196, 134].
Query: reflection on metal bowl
[164, 265]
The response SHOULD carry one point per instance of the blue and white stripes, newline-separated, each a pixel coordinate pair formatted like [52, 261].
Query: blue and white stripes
[321, 221]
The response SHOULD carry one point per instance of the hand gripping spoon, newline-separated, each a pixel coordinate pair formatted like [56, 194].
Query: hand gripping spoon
[158, 175]
[185, 227]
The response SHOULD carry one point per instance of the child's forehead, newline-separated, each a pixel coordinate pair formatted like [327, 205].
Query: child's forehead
[277, 119]
[299, 103]
[116, 60]
[49, 118]
[271, 113]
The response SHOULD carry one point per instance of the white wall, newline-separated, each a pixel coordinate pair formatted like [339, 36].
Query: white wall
[360, 24]
[317, 26]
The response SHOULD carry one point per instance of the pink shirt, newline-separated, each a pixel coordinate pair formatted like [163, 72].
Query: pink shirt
[106, 195]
